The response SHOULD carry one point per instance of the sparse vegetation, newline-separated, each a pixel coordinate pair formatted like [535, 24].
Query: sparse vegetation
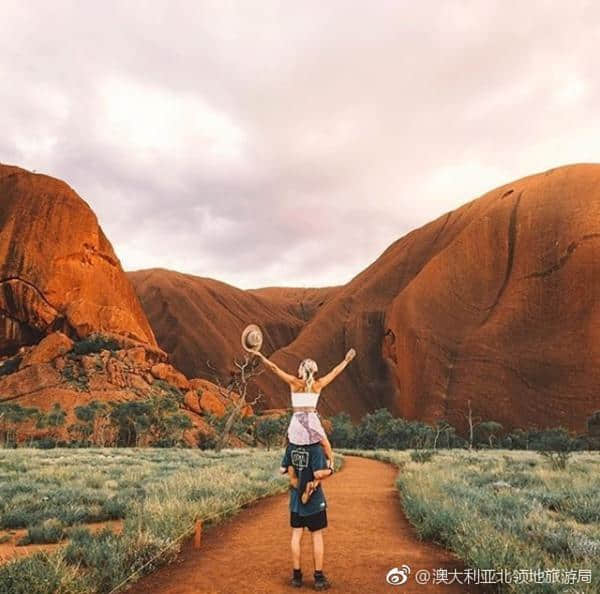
[506, 509]
[558, 460]
[271, 431]
[381, 430]
[75, 375]
[422, 456]
[157, 492]
[95, 343]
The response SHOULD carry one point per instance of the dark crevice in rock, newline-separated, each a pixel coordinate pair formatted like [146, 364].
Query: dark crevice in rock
[512, 237]
[29, 284]
[564, 258]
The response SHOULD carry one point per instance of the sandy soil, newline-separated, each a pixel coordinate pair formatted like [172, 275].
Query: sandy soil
[367, 536]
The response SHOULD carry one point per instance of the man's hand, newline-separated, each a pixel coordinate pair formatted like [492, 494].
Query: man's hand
[350, 355]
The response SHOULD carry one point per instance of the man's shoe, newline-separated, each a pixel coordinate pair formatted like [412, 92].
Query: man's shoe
[297, 580]
[321, 582]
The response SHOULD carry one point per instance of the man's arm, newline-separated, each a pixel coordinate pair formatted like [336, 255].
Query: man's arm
[286, 377]
[328, 378]
[318, 464]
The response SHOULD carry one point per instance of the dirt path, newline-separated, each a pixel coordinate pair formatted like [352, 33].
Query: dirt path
[367, 536]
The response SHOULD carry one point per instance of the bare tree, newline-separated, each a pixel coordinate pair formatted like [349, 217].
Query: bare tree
[238, 384]
[472, 421]
[440, 427]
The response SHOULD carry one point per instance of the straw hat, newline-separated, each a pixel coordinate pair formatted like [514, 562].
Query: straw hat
[252, 338]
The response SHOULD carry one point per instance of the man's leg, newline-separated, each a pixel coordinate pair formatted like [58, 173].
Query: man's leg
[318, 549]
[321, 582]
[296, 542]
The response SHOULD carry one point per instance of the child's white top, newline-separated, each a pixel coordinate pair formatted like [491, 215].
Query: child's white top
[305, 399]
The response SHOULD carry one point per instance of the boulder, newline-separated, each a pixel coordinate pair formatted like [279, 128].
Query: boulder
[49, 348]
[192, 401]
[209, 402]
[169, 374]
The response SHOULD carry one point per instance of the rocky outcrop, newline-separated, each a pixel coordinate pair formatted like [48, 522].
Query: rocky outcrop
[49, 348]
[168, 373]
[56, 372]
[57, 269]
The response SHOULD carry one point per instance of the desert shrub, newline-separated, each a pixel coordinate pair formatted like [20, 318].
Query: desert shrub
[372, 427]
[157, 421]
[94, 344]
[555, 439]
[43, 443]
[169, 389]
[40, 574]
[11, 417]
[270, 431]
[422, 456]
[242, 427]
[381, 430]
[114, 508]
[206, 441]
[10, 365]
[49, 531]
[558, 460]
[73, 373]
[343, 431]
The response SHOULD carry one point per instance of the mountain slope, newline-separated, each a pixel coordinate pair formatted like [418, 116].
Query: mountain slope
[57, 269]
[199, 320]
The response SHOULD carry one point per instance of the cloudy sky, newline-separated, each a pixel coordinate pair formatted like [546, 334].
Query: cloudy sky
[289, 143]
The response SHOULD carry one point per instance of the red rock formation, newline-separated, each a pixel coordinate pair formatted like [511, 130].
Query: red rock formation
[197, 320]
[57, 269]
[507, 313]
[495, 302]
[52, 373]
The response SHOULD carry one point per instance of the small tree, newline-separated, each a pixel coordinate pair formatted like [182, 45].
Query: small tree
[93, 419]
[488, 431]
[471, 421]
[11, 417]
[240, 381]
[373, 429]
[593, 428]
[270, 431]
[442, 427]
[343, 432]
[130, 421]
[52, 420]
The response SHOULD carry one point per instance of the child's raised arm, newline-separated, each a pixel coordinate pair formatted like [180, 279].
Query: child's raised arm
[286, 377]
[329, 377]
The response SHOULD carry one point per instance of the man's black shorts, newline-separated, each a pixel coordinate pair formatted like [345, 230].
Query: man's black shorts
[313, 522]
